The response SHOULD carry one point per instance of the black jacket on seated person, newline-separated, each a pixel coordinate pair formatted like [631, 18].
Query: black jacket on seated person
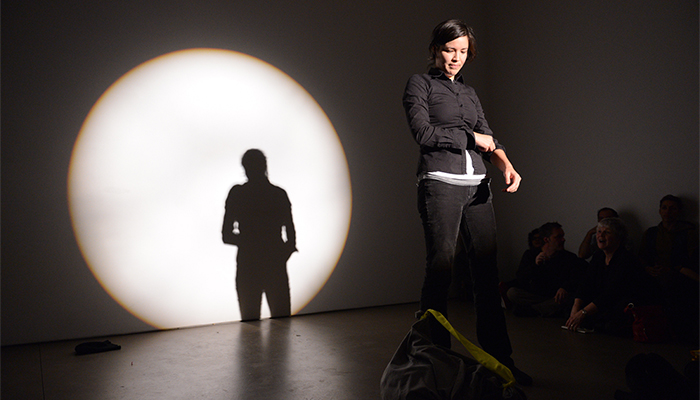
[611, 287]
[564, 270]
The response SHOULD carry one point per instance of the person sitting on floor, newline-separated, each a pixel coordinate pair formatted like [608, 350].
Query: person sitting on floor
[534, 247]
[612, 281]
[546, 283]
[534, 244]
[589, 245]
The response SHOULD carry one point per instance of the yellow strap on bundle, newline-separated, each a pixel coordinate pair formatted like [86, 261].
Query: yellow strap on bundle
[484, 358]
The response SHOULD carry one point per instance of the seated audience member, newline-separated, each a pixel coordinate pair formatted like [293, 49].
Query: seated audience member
[612, 281]
[589, 246]
[669, 254]
[547, 282]
[534, 246]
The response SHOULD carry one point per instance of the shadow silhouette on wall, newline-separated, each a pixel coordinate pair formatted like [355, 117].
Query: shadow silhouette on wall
[258, 220]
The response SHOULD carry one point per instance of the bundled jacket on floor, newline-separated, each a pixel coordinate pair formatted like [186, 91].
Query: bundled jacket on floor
[421, 370]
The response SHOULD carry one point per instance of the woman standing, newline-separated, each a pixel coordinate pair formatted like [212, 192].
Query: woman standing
[454, 195]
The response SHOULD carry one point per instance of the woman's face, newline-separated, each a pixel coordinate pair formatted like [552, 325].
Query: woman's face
[607, 239]
[536, 241]
[669, 211]
[452, 55]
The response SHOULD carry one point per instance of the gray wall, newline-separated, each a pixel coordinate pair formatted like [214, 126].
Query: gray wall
[597, 104]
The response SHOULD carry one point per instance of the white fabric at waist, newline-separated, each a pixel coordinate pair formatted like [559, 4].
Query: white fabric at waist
[453, 179]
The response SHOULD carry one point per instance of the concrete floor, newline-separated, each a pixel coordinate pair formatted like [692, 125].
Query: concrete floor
[338, 355]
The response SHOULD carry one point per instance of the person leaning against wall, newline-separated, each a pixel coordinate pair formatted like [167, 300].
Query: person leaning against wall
[669, 253]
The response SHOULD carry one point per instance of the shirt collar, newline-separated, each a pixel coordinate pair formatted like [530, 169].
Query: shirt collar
[437, 73]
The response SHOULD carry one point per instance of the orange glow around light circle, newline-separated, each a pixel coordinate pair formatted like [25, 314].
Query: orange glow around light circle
[154, 162]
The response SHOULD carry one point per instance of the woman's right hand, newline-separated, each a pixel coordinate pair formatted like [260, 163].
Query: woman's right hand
[591, 232]
[575, 319]
[484, 143]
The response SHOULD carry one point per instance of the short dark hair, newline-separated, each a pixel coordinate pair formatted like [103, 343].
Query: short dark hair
[448, 31]
[531, 236]
[254, 162]
[607, 209]
[670, 197]
[547, 229]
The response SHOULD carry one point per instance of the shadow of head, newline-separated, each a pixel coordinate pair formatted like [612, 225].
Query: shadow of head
[255, 164]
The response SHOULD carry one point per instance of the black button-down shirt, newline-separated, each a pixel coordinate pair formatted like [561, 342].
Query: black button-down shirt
[443, 115]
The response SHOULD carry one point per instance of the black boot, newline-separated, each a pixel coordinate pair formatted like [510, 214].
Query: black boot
[521, 378]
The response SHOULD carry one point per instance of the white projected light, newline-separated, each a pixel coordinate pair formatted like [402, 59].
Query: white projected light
[155, 160]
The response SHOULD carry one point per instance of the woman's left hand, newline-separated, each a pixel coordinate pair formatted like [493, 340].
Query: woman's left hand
[500, 160]
[512, 179]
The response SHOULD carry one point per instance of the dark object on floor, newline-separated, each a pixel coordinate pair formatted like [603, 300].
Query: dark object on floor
[420, 369]
[651, 377]
[692, 372]
[521, 377]
[95, 347]
[650, 324]
[503, 291]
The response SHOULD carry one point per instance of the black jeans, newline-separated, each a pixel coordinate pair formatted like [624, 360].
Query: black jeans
[448, 212]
